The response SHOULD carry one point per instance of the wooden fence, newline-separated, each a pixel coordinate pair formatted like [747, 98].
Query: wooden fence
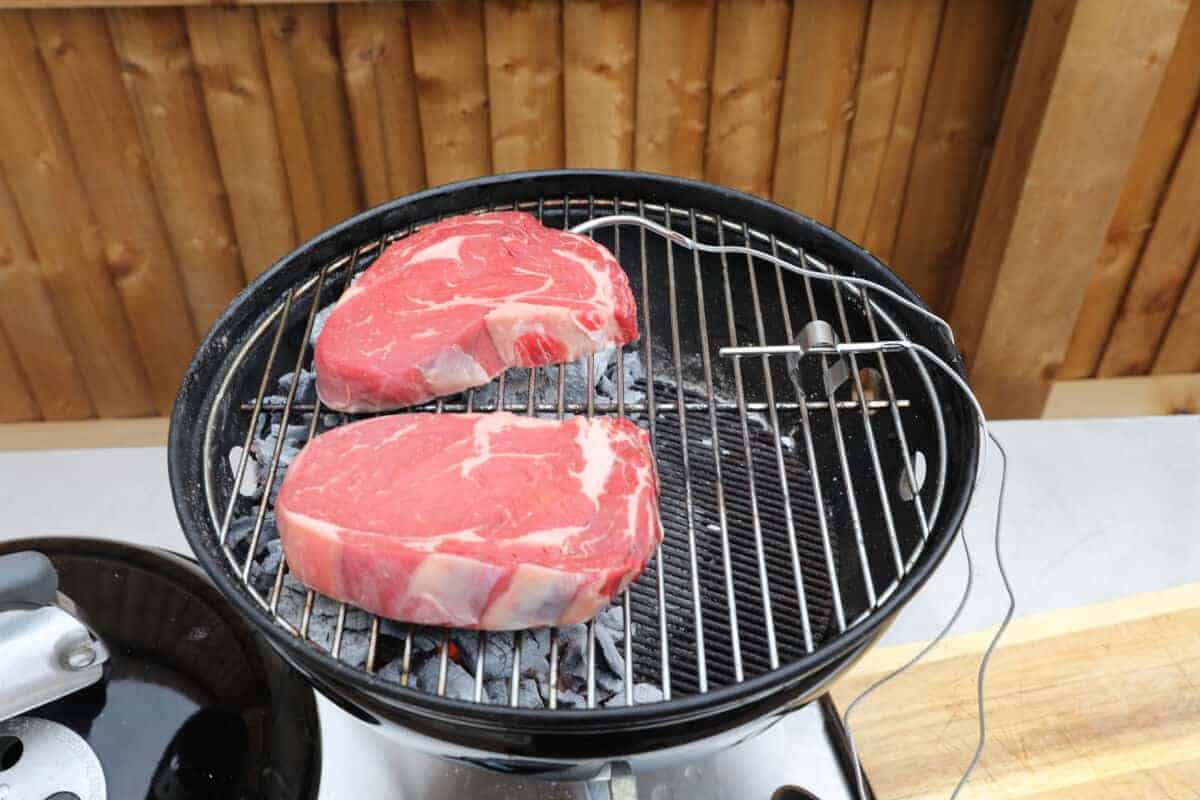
[154, 159]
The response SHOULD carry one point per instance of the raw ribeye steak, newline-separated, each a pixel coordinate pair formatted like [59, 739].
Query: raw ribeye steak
[489, 521]
[453, 305]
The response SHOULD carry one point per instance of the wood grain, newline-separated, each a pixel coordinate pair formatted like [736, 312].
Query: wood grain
[525, 83]
[675, 50]
[1158, 150]
[1112, 64]
[957, 121]
[103, 133]
[1020, 131]
[41, 173]
[1161, 273]
[1138, 396]
[824, 57]
[300, 49]
[382, 92]
[751, 49]
[1180, 349]
[1082, 702]
[34, 333]
[16, 399]
[85, 434]
[237, 94]
[164, 90]
[600, 82]
[448, 61]
[897, 57]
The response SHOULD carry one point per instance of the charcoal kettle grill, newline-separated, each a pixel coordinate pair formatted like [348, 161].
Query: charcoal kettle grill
[804, 500]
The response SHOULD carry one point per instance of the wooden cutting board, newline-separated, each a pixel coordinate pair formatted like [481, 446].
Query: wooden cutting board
[1101, 701]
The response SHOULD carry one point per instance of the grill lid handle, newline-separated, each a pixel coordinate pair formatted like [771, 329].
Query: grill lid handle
[48, 651]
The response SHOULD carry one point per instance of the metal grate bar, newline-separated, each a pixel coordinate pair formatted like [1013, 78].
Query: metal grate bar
[840, 443]
[479, 655]
[722, 514]
[773, 416]
[406, 659]
[591, 411]
[905, 453]
[664, 645]
[257, 410]
[283, 426]
[806, 428]
[872, 445]
[756, 520]
[627, 610]
[372, 643]
[701, 665]
[610, 407]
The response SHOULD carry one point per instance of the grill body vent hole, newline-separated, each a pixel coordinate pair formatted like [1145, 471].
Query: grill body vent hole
[919, 468]
[11, 750]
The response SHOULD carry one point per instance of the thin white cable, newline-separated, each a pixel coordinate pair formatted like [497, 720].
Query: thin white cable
[883, 346]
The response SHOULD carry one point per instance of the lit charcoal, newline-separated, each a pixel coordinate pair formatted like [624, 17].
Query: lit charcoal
[270, 562]
[608, 682]
[249, 487]
[390, 671]
[354, 647]
[426, 640]
[533, 660]
[325, 607]
[306, 388]
[642, 693]
[321, 629]
[497, 659]
[541, 636]
[239, 531]
[646, 693]
[568, 699]
[291, 603]
[389, 627]
[612, 617]
[459, 684]
[606, 644]
[496, 690]
[319, 321]
[357, 620]
[528, 696]
[331, 420]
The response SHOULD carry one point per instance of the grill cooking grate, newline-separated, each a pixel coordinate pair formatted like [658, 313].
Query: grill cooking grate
[760, 561]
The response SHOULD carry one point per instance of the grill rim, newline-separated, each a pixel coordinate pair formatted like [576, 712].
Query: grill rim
[196, 398]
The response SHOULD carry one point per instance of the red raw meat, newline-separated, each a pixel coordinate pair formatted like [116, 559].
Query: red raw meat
[453, 305]
[489, 521]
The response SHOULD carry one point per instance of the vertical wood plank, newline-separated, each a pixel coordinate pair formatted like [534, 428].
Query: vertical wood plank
[225, 44]
[103, 133]
[1025, 109]
[675, 46]
[448, 61]
[41, 173]
[897, 57]
[16, 401]
[824, 57]
[1157, 152]
[600, 82]
[164, 91]
[1111, 66]
[952, 141]
[525, 83]
[27, 315]
[1180, 351]
[1161, 273]
[377, 61]
[312, 114]
[751, 48]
